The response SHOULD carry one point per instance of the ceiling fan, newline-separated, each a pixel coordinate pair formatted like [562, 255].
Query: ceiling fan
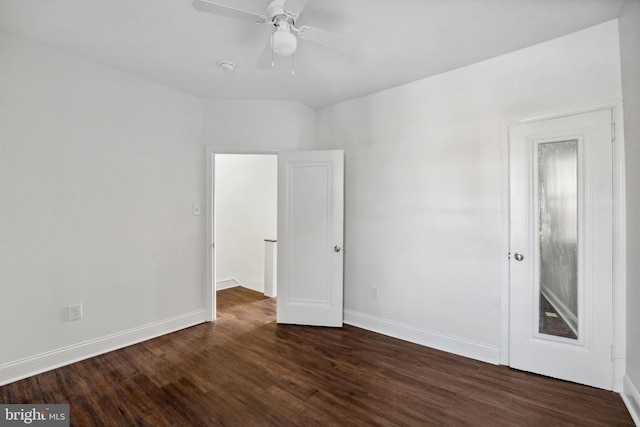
[281, 14]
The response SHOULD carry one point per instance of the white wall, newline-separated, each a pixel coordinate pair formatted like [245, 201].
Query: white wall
[630, 59]
[98, 172]
[246, 215]
[259, 125]
[425, 179]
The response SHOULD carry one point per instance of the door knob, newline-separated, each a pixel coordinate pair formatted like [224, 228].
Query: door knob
[337, 248]
[518, 256]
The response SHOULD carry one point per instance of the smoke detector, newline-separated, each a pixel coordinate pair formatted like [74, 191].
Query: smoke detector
[227, 66]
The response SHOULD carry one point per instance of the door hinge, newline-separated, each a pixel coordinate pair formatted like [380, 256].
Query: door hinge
[613, 131]
[613, 126]
[613, 353]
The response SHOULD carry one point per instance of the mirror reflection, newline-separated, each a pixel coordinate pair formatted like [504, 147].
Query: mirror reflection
[558, 238]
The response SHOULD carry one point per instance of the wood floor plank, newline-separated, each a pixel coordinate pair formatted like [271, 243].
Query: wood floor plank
[193, 404]
[246, 370]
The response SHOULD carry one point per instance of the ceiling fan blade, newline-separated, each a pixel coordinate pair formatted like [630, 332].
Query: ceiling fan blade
[231, 12]
[296, 6]
[266, 59]
[329, 39]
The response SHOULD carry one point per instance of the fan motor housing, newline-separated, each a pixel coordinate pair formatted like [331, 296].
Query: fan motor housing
[276, 8]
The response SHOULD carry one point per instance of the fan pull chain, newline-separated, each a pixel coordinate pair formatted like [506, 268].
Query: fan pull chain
[293, 64]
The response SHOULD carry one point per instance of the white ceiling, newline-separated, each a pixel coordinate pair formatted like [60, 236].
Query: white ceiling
[400, 41]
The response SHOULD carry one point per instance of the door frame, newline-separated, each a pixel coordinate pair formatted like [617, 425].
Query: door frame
[210, 279]
[619, 234]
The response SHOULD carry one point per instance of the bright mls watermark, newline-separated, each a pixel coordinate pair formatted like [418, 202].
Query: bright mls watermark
[34, 415]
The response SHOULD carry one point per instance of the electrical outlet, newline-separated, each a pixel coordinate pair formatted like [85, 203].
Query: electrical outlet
[374, 292]
[75, 312]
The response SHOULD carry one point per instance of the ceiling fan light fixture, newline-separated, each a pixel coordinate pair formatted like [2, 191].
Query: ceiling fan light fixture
[283, 15]
[283, 41]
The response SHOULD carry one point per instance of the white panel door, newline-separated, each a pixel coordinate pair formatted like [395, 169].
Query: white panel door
[310, 235]
[561, 269]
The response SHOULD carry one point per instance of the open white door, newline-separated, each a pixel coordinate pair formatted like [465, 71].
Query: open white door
[561, 280]
[310, 235]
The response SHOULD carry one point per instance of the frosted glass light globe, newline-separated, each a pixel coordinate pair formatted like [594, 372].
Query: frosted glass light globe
[284, 43]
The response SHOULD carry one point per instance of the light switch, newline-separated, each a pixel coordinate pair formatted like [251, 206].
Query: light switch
[196, 209]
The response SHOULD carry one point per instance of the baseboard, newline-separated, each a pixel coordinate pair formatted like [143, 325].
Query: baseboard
[20, 369]
[631, 399]
[226, 284]
[461, 347]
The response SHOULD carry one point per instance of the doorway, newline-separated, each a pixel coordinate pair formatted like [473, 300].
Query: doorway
[310, 212]
[561, 248]
[245, 209]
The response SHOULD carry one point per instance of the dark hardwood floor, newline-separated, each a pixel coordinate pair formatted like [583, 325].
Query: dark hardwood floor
[245, 370]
